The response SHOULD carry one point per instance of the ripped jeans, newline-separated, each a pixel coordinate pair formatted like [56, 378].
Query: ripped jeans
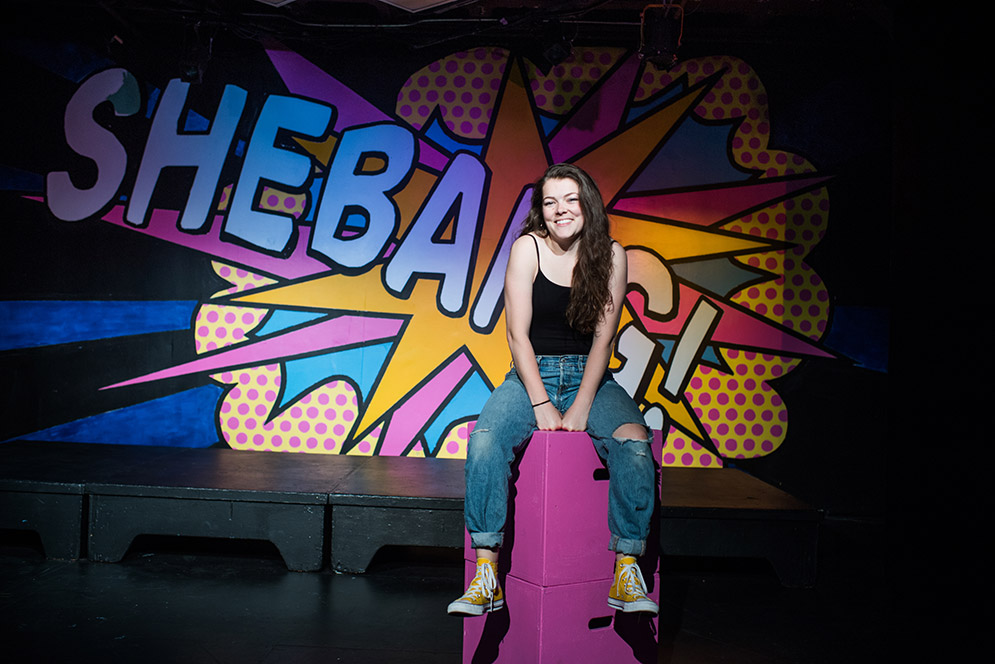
[508, 422]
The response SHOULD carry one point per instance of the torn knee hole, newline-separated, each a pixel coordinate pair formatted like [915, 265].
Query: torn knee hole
[631, 432]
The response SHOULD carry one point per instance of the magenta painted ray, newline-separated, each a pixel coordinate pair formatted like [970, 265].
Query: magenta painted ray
[304, 78]
[599, 115]
[706, 207]
[737, 327]
[162, 225]
[412, 415]
[343, 330]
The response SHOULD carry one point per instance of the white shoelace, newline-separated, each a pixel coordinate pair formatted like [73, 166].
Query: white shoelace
[488, 582]
[631, 578]
[483, 584]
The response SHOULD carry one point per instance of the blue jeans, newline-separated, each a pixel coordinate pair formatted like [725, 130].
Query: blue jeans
[508, 421]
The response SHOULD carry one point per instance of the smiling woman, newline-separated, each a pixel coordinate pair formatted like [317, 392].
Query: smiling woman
[587, 265]
[562, 214]
[563, 268]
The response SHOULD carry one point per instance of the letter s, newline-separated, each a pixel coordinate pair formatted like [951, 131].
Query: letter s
[89, 139]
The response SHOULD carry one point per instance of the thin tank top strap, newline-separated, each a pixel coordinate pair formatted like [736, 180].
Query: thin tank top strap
[538, 258]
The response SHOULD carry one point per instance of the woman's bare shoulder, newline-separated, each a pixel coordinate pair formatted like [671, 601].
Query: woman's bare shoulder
[525, 244]
[523, 255]
[618, 251]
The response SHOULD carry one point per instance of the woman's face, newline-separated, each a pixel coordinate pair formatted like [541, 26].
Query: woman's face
[561, 211]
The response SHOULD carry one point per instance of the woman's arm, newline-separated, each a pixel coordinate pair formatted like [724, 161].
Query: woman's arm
[575, 419]
[522, 269]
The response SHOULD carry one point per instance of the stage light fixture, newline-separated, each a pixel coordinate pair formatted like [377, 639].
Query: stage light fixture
[661, 27]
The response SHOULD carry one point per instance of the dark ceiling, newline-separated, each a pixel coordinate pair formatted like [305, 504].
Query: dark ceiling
[343, 22]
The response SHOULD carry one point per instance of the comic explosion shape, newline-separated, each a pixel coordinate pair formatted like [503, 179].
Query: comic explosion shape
[713, 258]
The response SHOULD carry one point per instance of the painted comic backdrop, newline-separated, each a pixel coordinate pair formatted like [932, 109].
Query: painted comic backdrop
[364, 249]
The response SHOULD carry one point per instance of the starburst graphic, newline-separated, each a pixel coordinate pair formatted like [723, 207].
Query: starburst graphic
[715, 223]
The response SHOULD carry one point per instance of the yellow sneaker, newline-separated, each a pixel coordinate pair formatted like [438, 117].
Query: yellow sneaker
[628, 591]
[484, 593]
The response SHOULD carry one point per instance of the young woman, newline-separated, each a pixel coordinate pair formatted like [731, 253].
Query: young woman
[563, 295]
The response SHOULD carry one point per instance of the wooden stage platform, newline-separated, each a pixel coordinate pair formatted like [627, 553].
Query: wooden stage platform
[93, 500]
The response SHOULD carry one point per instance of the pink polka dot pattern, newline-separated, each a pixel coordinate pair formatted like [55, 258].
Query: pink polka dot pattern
[285, 203]
[225, 198]
[738, 94]
[218, 326]
[453, 446]
[567, 83]
[292, 204]
[241, 280]
[801, 221]
[798, 301]
[740, 412]
[464, 87]
[317, 423]
[368, 444]
[681, 451]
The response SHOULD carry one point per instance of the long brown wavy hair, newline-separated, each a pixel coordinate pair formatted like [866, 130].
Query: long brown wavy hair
[589, 293]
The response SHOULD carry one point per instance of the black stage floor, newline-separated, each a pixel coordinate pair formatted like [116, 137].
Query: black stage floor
[193, 600]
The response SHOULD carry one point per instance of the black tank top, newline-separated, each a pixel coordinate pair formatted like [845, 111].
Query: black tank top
[550, 333]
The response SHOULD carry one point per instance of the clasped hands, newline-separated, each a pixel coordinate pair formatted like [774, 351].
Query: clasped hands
[548, 418]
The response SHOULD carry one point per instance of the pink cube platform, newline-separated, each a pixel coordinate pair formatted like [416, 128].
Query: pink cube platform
[569, 623]
[556, 568]
[559, 530]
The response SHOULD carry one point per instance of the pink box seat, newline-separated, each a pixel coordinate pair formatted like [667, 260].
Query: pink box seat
[556, 567]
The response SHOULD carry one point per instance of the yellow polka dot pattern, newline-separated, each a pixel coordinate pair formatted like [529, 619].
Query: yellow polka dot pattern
[463, 87]
[567, 83]
[285, 203]
[800, 221]
[741, 413]
[218, 326]
[221, 325]
[272, 199]
[317, 423]
[798, 301]
[453, 445]
[682, 451]
[739, 94]
[225, 197]
[368, 444]
[240, 280]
